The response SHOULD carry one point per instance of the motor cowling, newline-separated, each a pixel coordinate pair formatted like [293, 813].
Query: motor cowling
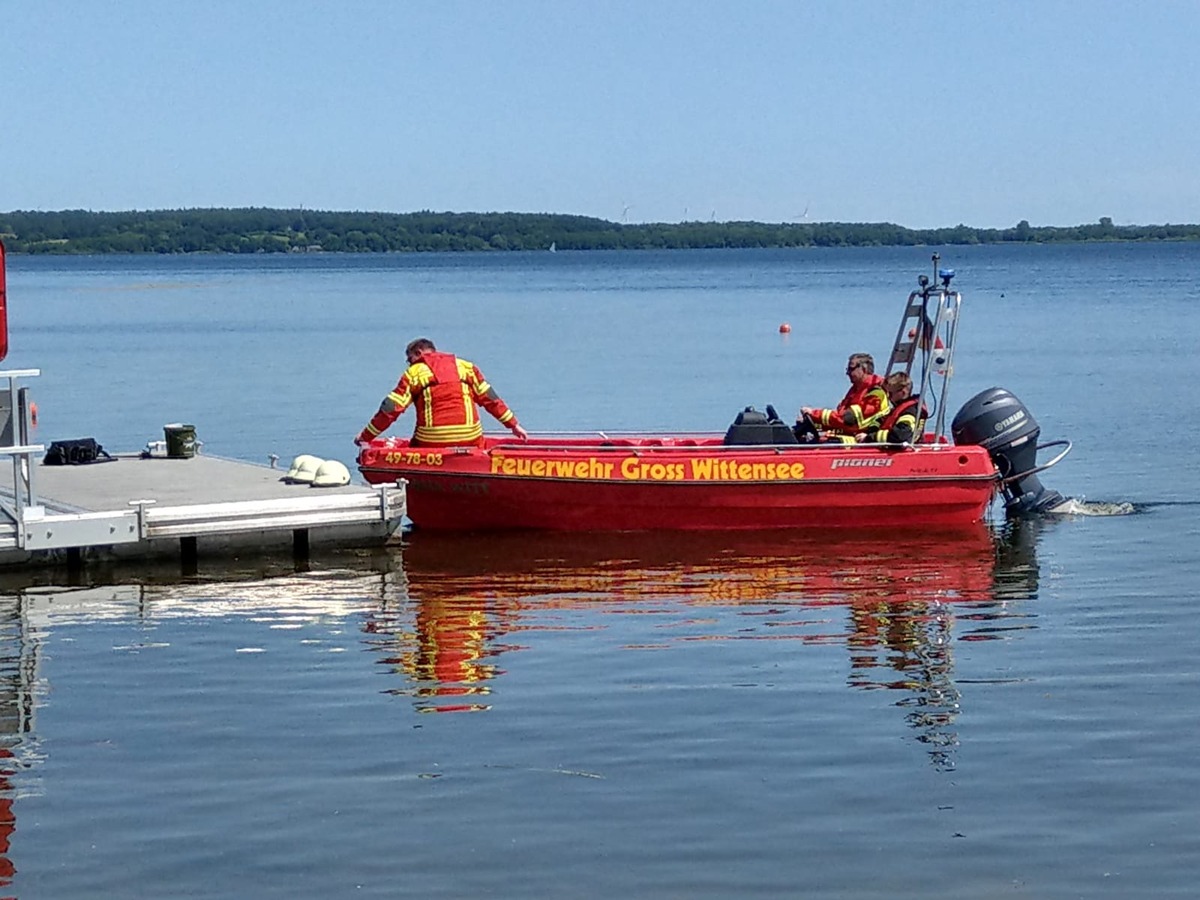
[997, 421]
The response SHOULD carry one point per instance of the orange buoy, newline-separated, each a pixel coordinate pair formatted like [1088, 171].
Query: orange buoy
[785, 328]
[33, 414]
[937, 340]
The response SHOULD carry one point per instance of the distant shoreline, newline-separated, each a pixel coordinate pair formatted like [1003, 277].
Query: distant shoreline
[252, 230]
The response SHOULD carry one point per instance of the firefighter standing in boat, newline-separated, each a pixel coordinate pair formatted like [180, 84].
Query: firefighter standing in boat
[446, 391]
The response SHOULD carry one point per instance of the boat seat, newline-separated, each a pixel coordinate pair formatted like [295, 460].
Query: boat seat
[766, 433]
[754, 427]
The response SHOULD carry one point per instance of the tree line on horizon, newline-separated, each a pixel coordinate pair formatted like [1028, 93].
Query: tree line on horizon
[261, 230]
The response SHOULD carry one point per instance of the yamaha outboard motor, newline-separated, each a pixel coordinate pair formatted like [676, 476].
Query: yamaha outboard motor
[997, 421]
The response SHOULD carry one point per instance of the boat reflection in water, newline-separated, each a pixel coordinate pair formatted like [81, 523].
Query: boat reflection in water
[896, 603]
[442, 613]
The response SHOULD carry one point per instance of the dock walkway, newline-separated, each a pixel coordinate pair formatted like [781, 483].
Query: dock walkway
[133, 507]
[146, 505]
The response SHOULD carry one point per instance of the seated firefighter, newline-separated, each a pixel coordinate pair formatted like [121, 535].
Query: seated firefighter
[904, 422]
[865, 404]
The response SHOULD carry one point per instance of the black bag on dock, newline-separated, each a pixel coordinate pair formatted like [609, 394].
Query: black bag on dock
[74, 453]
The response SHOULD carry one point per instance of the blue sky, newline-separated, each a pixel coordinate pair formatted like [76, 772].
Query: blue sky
[920, 113]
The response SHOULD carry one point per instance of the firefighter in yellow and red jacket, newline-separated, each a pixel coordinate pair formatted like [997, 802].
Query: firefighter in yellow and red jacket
[446, 391]
[904, 422]
[863, 406]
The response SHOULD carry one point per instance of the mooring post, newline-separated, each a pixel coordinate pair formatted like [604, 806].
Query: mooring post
[189, 555]
[300, 548]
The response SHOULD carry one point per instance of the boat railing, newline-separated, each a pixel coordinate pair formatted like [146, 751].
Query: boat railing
[1066, 448]
[16, 424]
[639, 442]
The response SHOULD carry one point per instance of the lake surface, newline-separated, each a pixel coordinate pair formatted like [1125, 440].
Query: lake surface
[1008, 711]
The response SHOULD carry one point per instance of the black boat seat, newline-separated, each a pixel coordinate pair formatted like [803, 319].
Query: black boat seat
[754, 427]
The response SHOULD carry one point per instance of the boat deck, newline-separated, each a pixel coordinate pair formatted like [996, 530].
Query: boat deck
[136, 506]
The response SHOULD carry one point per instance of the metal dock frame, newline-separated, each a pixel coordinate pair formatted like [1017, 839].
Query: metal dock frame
[15, 427]
[252, 507]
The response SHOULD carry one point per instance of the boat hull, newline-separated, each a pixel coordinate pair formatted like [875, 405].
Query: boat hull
[659, 483]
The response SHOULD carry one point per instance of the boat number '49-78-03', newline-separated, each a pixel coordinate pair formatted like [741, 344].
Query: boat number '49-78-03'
[413, 458]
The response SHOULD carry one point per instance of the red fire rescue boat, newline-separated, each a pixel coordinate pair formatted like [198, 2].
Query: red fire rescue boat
[755, 476]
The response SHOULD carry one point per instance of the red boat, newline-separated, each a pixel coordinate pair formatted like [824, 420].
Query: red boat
[755, 476]
[677, 482]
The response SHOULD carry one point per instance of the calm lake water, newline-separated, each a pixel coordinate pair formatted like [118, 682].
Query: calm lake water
[1010, 711]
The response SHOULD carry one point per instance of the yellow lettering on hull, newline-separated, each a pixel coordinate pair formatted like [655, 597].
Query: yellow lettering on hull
[706, 469]
[636, 468]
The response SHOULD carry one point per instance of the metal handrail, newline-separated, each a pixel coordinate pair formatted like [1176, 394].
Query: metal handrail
[1044, 466]
[21, 452]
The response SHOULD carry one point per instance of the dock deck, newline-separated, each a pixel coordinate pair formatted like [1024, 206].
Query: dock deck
[141, 507]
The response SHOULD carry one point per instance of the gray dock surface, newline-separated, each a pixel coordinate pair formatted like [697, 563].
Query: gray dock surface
[134, 506]
[200, 479]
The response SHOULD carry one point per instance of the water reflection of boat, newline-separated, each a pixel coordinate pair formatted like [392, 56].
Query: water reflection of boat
[750, 565]
[897, 604]
[445, 614]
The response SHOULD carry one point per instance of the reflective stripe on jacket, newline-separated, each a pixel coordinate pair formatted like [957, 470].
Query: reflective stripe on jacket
[862, 407]
[900, 425]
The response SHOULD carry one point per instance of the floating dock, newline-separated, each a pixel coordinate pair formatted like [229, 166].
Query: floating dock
[145, 506]
[134, 507]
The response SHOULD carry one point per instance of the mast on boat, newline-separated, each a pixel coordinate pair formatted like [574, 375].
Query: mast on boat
[925, 341]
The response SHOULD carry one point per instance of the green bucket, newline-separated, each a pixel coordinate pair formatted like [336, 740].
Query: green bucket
[181, 441]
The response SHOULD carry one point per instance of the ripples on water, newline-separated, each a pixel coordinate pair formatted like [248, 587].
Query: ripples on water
[744, 693]
[968, 716]
[1075, 507]
[526, 631]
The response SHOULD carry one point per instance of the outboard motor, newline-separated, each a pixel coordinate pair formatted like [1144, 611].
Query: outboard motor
[997, 421]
